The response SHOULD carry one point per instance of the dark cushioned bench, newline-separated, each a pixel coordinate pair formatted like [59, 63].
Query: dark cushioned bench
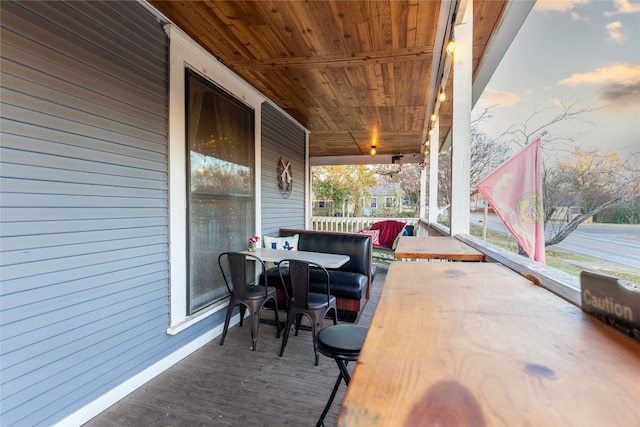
[351, 283]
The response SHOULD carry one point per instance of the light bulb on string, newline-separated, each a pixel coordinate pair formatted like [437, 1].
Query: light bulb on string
[451, 46]
[442, 96]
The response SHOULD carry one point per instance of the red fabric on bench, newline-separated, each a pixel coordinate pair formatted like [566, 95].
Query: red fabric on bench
[389, 230]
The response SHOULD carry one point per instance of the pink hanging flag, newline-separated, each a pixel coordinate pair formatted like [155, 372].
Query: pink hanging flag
[514, 191]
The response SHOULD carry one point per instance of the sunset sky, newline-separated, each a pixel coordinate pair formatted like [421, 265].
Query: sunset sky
[582, 52]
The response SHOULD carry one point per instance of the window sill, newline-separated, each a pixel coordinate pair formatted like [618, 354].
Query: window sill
[197, 317]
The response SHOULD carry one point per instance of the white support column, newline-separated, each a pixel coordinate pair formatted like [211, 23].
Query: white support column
[461, 132]
[433, 173]
[308, 200]
[422, 201]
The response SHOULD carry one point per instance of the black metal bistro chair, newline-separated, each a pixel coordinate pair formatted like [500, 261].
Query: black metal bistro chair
[342, 343]
[301, 300]
[244, 290]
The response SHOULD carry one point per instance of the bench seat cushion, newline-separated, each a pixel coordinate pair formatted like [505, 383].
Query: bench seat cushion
[344, 284]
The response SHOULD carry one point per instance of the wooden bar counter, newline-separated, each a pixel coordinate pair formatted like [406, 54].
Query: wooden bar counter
[439, 247]
[475, 344]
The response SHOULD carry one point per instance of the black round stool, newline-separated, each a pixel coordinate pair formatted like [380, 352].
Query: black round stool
[342, 343]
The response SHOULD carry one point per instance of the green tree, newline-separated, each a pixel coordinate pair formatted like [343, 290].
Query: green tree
[343, 184]
[408, 176]
[626, 213]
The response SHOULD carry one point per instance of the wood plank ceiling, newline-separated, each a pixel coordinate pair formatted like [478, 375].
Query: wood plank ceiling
[349, 71]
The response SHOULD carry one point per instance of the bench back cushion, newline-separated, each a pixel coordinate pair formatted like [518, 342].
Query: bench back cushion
[357, 246]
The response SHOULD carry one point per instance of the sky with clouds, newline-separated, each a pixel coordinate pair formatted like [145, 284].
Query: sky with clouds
[583, 53]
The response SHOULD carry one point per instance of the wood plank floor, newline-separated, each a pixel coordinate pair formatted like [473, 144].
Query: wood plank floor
[230, 385]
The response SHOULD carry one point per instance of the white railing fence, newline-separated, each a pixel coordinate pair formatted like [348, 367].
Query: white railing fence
[351, 224]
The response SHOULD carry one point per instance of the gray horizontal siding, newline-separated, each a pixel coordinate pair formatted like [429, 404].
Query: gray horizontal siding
[86, 44]
[83, 204]
[281, 138]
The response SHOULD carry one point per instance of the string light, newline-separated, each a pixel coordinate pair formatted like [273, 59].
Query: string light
[373, 150]
[442, 96]
[433, 117]
[451, 46]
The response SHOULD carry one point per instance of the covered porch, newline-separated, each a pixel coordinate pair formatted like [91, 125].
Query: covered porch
[97, 310]
[230, 385]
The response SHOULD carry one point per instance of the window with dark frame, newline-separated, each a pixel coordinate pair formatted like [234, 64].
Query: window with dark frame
[220, 180]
